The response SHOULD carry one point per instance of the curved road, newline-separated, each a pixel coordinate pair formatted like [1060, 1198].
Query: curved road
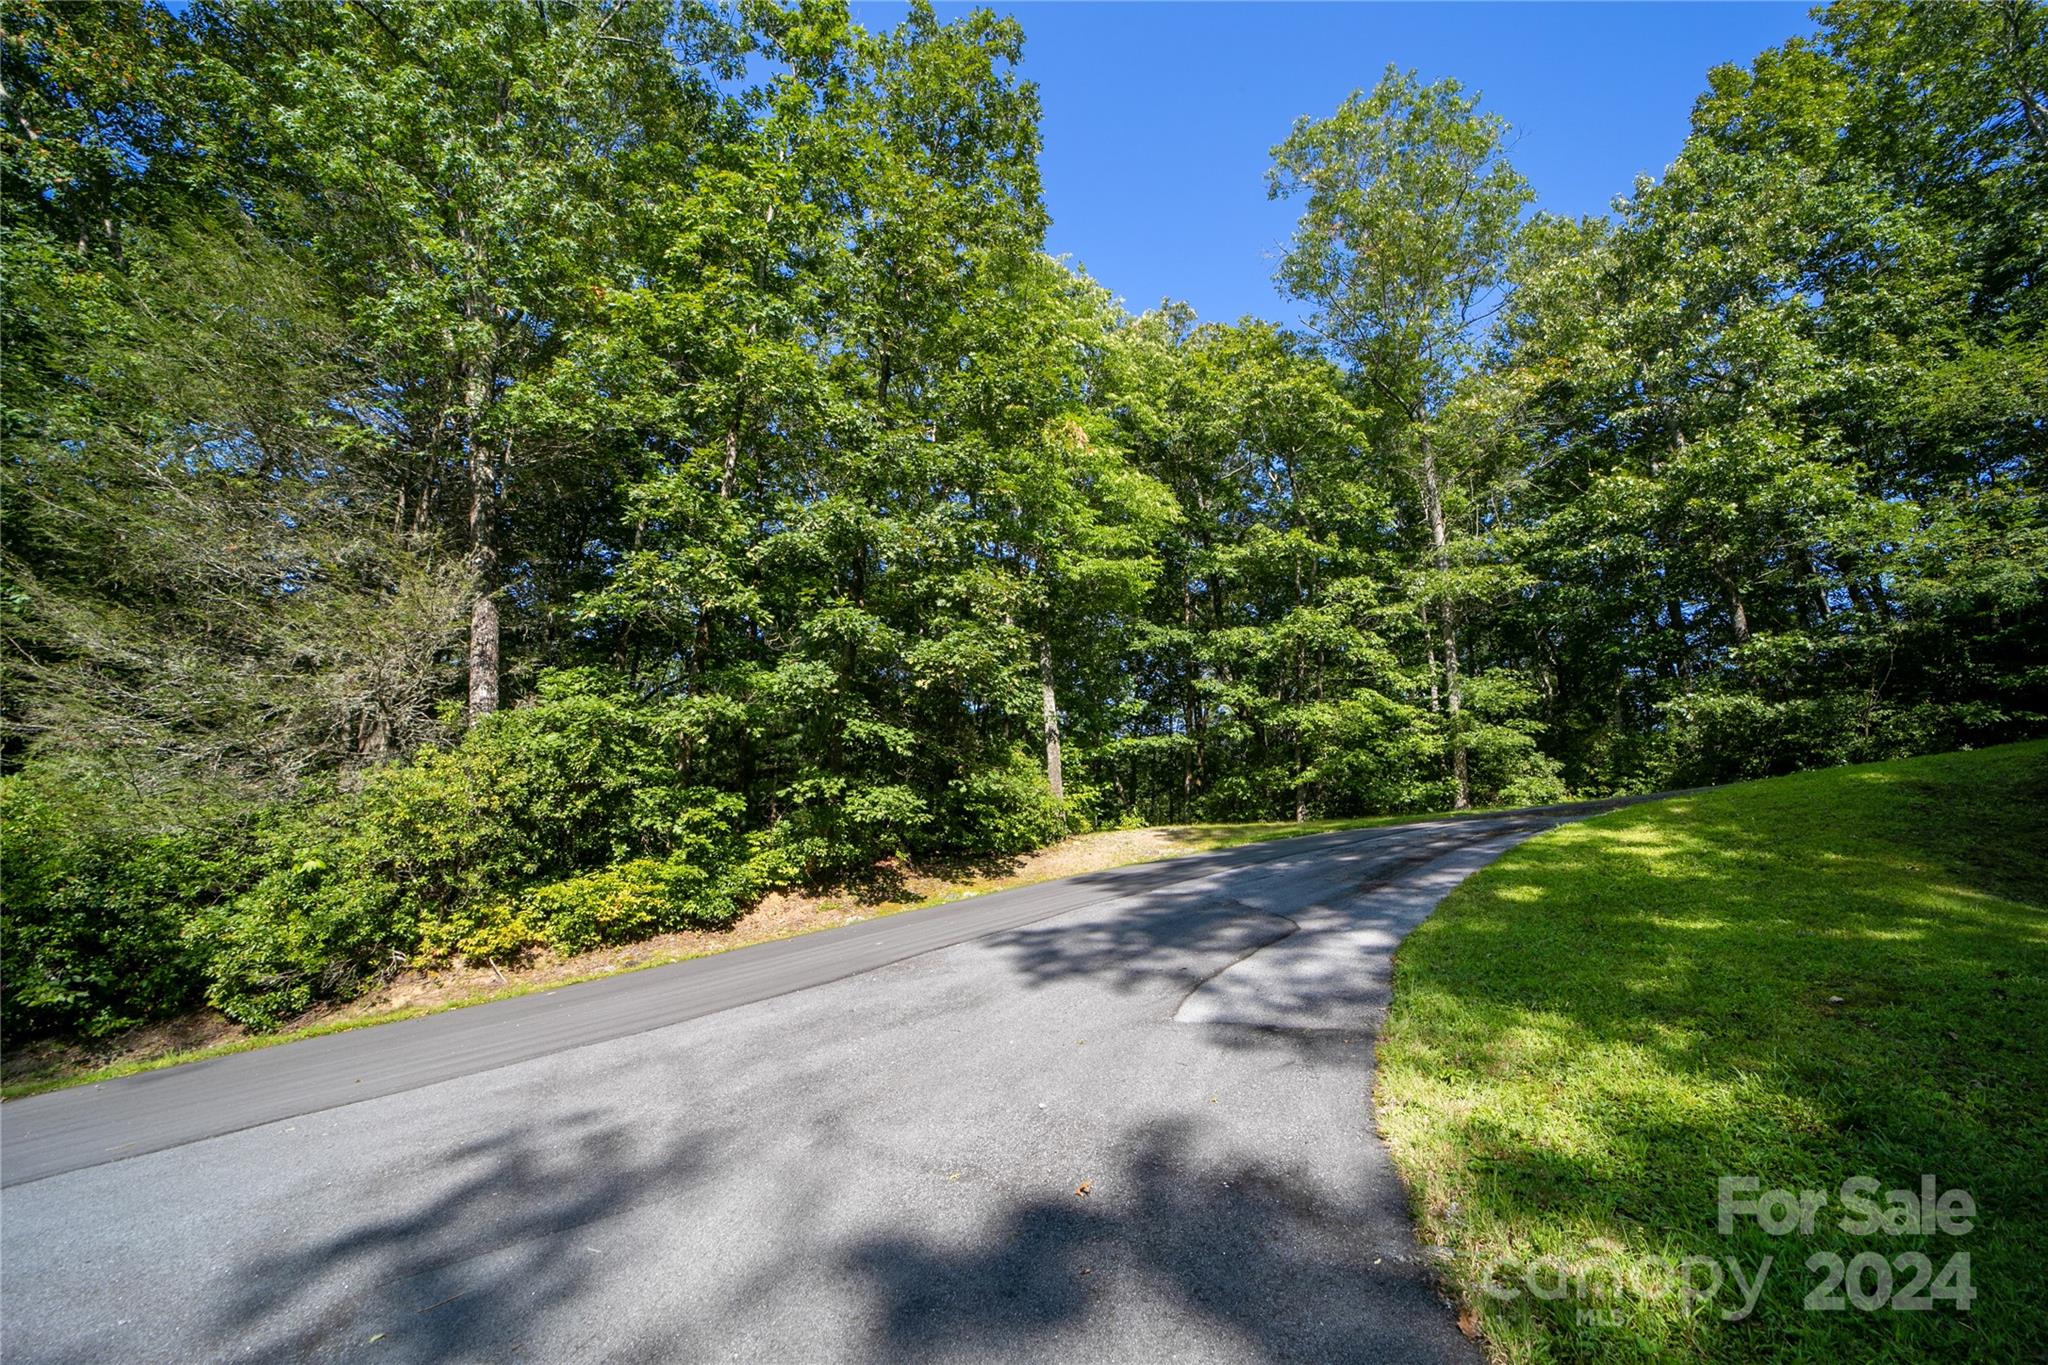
[1123, 1116]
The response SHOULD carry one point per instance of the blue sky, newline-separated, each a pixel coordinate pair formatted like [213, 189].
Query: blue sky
[1159, 117]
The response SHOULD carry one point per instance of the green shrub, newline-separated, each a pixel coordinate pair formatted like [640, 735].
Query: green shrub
[833, 824]
[618, 904]
[1003, 806]
[577, 782]
[312, 928]
[563, 824]
[1366, 754]
[566, 824]
[1505, 765]
[639, 899]
[97, 888]
[580, 779]
[1508, 769]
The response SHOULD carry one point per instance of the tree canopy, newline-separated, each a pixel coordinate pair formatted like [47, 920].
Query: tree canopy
[484, 477]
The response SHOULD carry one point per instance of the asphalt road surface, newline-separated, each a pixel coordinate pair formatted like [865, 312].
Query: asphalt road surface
[1124, 1116]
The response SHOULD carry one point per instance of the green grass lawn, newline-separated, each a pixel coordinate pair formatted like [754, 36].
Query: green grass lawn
[1836, 974]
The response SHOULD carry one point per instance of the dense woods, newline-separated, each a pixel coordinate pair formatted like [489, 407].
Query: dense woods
[487, 477]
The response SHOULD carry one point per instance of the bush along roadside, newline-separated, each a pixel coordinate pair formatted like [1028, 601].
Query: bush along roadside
[564, 825]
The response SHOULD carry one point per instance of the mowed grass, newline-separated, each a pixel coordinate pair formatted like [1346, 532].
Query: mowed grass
[1836, 974]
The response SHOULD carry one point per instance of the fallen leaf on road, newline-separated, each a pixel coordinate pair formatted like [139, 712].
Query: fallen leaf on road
[1081, 1190]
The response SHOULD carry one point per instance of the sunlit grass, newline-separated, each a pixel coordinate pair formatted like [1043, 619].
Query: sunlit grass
[1835, 974]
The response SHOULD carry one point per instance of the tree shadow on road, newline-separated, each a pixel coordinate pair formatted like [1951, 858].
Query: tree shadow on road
[1175, 925]
[1177, 1255]
[1183, 1249]
[470, 1271]
[1172, 935]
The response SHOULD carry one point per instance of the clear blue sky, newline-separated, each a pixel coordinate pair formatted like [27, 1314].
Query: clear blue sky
[1159, 117]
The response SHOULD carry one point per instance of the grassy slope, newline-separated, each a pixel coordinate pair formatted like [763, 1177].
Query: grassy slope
[1806, 979]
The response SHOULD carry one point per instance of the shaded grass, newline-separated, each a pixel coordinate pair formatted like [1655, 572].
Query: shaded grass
[1835, 974]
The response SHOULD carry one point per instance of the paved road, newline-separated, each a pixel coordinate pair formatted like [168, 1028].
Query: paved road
[1123, 1116]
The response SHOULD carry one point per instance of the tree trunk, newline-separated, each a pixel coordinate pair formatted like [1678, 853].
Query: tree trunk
[2033, 109]
[373, 732]
[483, 656]
[1300, 785]
[483, 556]
[1191, 760]
[728, 475]
[1682, 655]
[1439, 539]
[1738, 613]
[1052, 718]
[1436, 704]
[1813, 597]
[1453, 697]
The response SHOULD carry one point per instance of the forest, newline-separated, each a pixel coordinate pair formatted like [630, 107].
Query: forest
[484, 478]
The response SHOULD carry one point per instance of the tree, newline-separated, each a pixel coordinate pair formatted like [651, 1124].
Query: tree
[1410, 214]
[205, 584]
[1264, 668]
[689, 386]
[1767, 485]
[466, 161]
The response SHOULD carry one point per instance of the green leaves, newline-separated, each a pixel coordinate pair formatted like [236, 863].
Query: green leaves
[701, 373]
[1410, 214]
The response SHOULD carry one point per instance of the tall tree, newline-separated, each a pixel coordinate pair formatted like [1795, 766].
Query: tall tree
[467, 161]
[1410, 214]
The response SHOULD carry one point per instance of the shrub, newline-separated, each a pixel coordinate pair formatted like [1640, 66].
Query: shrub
[578, 781]
[312, 928]
[647, 896]
[98, 886]
[833, 824]
[563, 824]
[619, 904]
[1002, 806]
[1368, 754]
[1506, 767]
[1505, 764]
